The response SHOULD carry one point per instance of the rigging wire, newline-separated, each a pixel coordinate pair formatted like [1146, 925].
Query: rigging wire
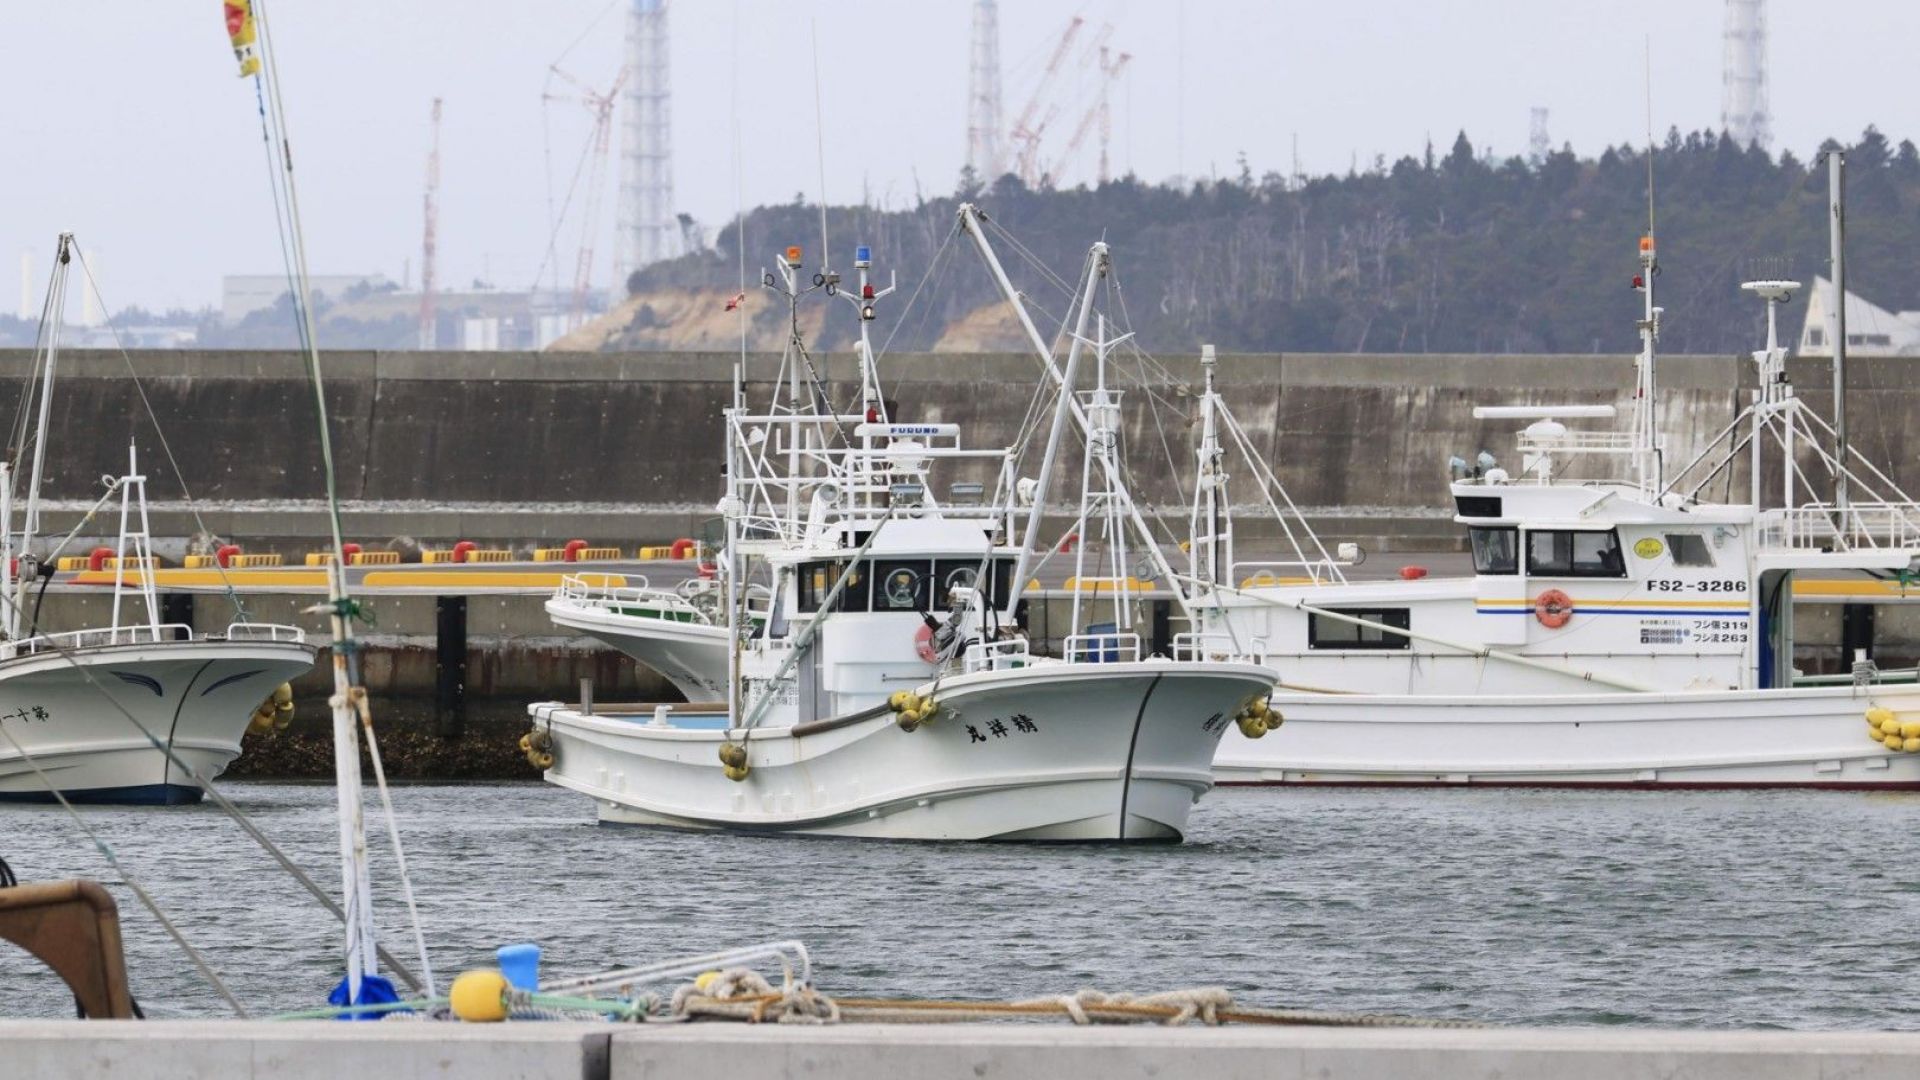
[341, 607]
[113, 859]
[193, 507]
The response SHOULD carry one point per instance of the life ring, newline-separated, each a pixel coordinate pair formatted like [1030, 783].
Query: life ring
[923, 644]
[1553, 608]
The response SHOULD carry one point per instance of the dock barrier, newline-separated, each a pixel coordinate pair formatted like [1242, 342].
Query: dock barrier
[323, 1050]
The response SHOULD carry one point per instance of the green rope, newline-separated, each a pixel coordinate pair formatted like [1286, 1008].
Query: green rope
[336, 1012]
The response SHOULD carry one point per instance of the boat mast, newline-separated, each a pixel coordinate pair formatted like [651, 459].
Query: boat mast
[56, 319]
[1646, 423]
[1837, 315]
[1096, 269]
[1207, 531]
[972, 225]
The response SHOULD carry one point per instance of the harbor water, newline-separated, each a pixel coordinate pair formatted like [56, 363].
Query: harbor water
[1684, 909]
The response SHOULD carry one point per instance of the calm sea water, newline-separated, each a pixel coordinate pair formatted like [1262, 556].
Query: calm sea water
[1682, 909]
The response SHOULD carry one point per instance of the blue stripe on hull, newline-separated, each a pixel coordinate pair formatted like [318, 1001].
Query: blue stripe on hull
[136, 795]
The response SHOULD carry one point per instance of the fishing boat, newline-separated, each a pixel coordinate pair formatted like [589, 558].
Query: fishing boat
[878, 687]
[137, 711]
[1624, 631]
[680, 633]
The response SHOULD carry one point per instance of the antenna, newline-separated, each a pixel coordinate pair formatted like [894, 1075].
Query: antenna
[820, 147]
[1647, 67]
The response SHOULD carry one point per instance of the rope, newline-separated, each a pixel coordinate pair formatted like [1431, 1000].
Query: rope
[225, 804]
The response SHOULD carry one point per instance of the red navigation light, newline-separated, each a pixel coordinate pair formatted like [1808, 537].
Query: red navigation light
[866, 292]
[873, 414]
[1639, 282]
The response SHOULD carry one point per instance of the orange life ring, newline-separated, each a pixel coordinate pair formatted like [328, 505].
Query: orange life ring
[1553, 608]
[923, 644]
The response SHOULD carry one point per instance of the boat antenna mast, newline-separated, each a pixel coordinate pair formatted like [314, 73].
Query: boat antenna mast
[1647, 450]
[1210, 527]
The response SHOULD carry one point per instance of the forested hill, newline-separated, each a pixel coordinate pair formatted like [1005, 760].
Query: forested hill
[1442, 253]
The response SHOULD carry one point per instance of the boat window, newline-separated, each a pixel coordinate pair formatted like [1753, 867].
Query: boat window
[818, 579]
[900, 586]
[1477, 505]
[1495, 551]
[1567, 553]
[1689, 549]
[1329, 633]
[951, 574]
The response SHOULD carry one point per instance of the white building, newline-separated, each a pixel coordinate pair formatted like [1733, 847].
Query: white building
[1871, 330]
[243, 294]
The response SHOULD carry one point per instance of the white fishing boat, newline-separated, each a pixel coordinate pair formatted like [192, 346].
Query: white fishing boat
[1616, 632]
[877, 687]
[133, 711]
[680, 633]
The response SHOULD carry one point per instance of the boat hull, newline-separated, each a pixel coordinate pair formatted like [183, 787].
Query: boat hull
[1056, 752]
[194, 698]
[691, 656]
[1815, 738]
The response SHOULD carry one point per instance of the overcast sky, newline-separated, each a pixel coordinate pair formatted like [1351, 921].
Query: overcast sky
[125, 122]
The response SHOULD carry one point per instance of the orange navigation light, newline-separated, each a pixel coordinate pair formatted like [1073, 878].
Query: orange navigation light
[1646, 243]
[793, 255]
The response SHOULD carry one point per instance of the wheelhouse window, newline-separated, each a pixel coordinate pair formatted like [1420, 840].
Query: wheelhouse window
[1571, 553]
[1689, 549]
[1324, 632]
[901, 586]
[818, 579]
[1495, 550]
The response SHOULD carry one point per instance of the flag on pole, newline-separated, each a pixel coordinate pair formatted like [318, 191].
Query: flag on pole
[738, 299]
[240, 31]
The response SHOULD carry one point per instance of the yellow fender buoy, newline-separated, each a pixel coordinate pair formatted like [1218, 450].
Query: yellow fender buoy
[543, 760]
[1911, 745]
[479, 997]
[1908, 728]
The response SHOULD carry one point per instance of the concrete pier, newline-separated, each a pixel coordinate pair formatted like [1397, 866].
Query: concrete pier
[166, 1050]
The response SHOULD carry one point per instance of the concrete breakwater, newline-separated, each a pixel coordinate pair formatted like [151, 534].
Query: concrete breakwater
[525, 447]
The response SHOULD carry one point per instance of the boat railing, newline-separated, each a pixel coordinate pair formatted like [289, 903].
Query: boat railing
[101, 636]
[262, 631]
[1109, 647]
[1579, 442]
[1194, 645]
[1856, 526]
[996, 655]
[620, 599]
[1253, 574]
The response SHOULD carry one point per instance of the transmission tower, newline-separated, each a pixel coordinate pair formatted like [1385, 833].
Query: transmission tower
[983, 94]
[647, 228]
[1743, 89]
[1539, 145]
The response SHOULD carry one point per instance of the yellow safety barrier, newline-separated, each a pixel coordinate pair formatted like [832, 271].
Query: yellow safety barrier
[373, 558]
[489, 556]
[589, 554]
[201, 562]
[549, 554]
[68, 563]
[131, 562]
[241, 562]
[1106, 584]
[657, 551]
[319, 558]
[436, 557]
[1264, 579]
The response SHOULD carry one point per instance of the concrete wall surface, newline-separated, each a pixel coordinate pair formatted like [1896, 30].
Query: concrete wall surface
[165, 1050]
[1033, 1052]
[314, 1050]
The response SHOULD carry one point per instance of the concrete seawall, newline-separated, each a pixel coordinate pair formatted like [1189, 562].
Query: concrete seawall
[621, 447]
[164, 1050]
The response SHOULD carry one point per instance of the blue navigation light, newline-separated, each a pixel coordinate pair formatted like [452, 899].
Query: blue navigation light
[863, 256]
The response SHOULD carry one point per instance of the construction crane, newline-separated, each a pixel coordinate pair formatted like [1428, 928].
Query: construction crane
[430, 213]
[593, 167]
[1024, 133]
[1110, 69]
